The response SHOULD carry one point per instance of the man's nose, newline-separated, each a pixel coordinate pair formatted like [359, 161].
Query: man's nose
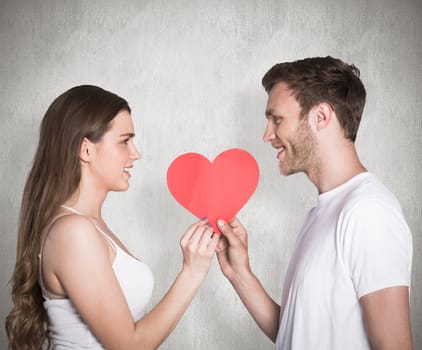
[269, 132]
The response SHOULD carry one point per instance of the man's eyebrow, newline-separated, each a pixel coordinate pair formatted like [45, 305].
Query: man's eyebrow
[128, 134]
[268, 113]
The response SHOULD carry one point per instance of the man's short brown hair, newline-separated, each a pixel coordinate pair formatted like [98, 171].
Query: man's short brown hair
[323, 79]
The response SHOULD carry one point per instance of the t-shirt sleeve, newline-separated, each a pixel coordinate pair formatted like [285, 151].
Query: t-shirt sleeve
[376, 245]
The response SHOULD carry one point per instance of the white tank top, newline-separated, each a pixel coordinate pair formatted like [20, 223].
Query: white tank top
[66, 328]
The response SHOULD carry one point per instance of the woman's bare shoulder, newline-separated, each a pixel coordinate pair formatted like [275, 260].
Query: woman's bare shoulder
[73, 230]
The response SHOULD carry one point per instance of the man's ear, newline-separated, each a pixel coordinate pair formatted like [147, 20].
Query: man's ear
[87, 150]
[323, 115]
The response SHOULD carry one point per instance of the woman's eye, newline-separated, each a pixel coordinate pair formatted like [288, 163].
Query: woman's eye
[126, 142]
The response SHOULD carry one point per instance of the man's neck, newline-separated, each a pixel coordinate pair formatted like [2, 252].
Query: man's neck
[335, 167]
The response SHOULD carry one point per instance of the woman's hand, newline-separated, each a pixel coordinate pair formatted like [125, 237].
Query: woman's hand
[198, 245]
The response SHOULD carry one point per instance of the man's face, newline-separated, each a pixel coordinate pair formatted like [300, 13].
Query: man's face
[288, 133]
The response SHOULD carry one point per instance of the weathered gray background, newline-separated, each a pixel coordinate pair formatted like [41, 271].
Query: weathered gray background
[191, 71]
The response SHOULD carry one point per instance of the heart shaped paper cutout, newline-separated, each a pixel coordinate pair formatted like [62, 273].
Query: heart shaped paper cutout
[216, 190]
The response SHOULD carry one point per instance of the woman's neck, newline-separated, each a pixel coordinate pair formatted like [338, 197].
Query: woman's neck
[87, 201]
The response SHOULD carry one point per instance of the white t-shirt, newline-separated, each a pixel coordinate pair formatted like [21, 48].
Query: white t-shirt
[354, 242]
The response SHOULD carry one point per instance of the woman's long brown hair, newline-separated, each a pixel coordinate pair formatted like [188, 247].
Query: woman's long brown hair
[83, 111]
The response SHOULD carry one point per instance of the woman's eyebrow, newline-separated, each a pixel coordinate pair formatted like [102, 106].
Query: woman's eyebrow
[128, 134]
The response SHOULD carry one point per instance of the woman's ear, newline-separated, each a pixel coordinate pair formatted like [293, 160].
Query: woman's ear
[87, 150]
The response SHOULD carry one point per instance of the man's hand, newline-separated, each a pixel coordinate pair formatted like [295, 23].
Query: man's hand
[232, 249]
[232, 254]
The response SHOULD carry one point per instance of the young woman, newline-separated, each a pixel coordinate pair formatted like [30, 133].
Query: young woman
[75, 285]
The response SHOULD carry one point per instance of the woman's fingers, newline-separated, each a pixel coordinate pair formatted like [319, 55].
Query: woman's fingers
[212, 244]
[190, 231]
[205, 239]
[198, 245]
[196, 237]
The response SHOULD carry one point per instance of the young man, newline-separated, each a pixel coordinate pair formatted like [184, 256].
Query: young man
[347, 285]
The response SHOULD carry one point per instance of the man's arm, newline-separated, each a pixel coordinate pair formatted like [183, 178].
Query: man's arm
[387, 320]
[233, 257]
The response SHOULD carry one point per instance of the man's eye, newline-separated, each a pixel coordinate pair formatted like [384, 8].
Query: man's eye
[277, 121]
[126, 141]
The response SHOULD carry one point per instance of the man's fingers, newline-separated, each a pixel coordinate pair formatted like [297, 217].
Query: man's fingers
[222, 244]
[235, 223]
[227, 231]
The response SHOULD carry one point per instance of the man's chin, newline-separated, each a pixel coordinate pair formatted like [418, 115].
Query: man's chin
[284, 170]
[287, 171]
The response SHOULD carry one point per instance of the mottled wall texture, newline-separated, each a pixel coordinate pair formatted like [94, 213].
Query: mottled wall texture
[191, 71]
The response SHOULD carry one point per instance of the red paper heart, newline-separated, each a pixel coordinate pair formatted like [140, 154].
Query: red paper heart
[216, 190]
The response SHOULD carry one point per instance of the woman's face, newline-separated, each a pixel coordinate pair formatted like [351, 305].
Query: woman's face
[115, 154]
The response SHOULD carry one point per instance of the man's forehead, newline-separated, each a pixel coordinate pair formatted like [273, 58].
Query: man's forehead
[280, 100]
[276, 97]
[280, 88]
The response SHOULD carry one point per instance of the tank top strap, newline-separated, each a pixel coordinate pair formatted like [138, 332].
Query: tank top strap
[40, 253]
[106, 236]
